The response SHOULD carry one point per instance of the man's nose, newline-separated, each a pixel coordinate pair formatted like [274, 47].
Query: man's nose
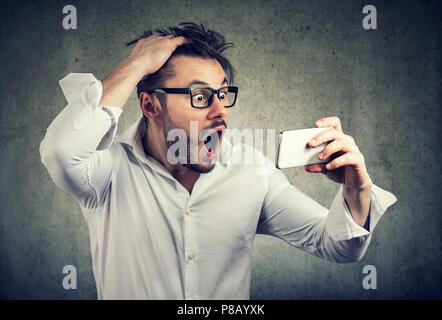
[217, 109]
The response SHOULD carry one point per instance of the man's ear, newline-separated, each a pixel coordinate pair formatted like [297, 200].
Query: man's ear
[150, 106]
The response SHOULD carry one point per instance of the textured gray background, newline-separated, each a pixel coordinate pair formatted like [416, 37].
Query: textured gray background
[296, 61]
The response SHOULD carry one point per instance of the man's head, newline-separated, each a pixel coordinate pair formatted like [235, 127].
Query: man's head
[198, 63]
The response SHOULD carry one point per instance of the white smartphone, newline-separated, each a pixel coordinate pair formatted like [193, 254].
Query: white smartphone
[294, 150]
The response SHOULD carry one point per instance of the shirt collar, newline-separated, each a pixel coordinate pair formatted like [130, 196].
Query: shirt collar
[131, 135]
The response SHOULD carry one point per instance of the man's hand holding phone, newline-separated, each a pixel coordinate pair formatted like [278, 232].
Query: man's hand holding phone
[338, 157]
[347, 164]
[325, 149]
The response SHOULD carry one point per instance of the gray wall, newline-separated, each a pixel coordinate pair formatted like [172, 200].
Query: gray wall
[296, 61]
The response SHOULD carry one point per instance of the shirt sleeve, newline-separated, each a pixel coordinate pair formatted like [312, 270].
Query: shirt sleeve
[292, 216]
[75, 149]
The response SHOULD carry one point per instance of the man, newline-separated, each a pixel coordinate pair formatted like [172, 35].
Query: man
[161, 229]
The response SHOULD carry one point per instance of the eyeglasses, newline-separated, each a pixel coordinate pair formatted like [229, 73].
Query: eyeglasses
[202, 97]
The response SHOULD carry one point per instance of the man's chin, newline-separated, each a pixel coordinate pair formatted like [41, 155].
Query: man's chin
[201, 168]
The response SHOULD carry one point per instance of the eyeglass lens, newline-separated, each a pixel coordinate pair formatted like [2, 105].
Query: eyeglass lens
[201, 97]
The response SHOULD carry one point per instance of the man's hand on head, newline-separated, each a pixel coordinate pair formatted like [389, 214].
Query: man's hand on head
[148, 56]
[151, 53]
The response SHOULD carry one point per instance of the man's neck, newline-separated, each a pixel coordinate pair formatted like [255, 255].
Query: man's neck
[185, 176]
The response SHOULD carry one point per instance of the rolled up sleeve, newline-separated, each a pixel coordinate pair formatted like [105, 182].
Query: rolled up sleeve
[340, 223]
[75, 149]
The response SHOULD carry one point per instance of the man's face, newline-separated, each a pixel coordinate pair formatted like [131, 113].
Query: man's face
[179, 113]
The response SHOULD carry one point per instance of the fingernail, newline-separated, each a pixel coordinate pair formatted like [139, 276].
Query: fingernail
[320, 155]
[312, 142]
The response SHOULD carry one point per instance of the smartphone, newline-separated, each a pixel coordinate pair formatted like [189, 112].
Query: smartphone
[294, 150]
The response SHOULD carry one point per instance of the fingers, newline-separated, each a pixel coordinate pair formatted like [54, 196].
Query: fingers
[315, 168]
[179, 40]
[329, 135]
[324, 136]
[329, 122]
[338, 145]
[182, 40]
[345, 160]
[169, 41]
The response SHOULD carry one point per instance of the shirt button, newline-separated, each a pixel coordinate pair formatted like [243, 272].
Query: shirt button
[191, 256]
[188, 212]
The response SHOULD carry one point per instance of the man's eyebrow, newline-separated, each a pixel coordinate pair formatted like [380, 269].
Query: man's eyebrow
[199, 82]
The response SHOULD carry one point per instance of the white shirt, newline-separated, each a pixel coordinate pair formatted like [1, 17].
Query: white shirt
[150, 239]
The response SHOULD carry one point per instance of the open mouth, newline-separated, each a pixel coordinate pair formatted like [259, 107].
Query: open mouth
[212, 141]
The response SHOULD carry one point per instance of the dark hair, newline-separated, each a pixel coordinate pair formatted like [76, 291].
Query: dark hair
[205, 43]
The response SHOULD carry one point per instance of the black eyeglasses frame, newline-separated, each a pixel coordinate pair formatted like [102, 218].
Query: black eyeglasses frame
[189, 91]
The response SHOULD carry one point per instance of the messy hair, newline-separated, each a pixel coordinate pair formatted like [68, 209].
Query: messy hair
[205, 43]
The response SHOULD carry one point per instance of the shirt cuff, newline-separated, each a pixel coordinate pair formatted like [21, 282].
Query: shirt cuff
[86, 88]
[340, 223]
